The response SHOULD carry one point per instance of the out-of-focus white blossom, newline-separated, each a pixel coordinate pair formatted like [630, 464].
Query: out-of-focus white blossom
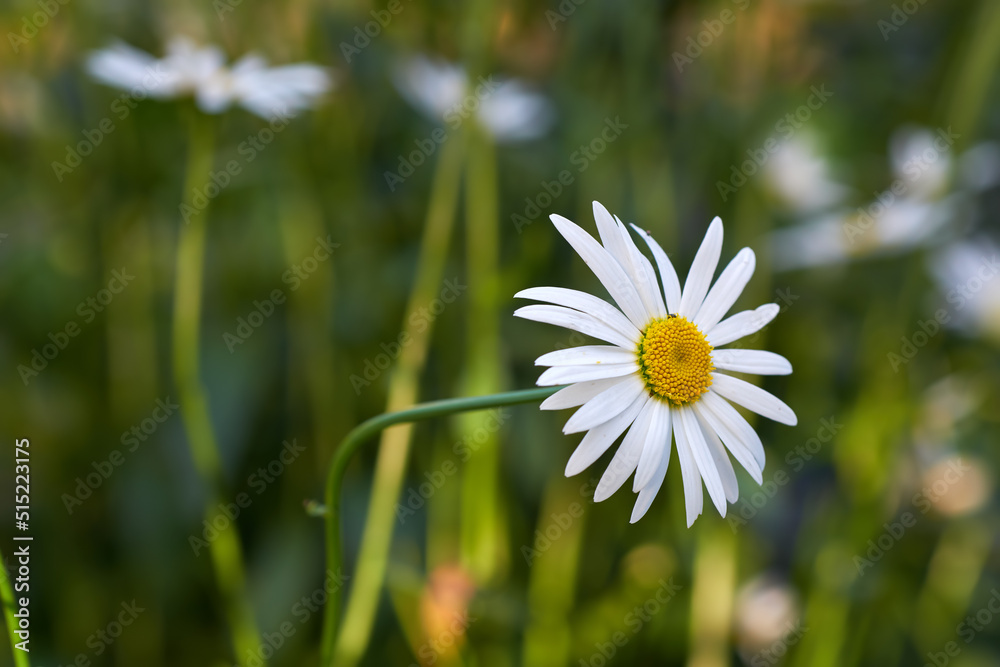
[508, 109]
[188, 69]
[968, 277]
[800, 176]
[930, 200]
[766, 612]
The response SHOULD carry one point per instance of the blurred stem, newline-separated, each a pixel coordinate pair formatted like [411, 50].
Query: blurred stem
[479, 507]
[7, 599]
[974, 71]
[225, 550]
[310, 301]
[352, 443]
[394, 448]
[953, 571]
[548, 637]
[712, 596]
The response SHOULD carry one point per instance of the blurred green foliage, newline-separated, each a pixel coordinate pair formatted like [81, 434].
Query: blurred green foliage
[690, 112]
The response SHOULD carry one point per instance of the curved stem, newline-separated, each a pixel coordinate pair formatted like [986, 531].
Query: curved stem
[225, 550]
[403, 391]
[362, 434]
[7, 599]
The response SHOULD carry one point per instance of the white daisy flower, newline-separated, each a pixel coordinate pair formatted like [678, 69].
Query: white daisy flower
[187, 69]
[661, 373]
[507, 109]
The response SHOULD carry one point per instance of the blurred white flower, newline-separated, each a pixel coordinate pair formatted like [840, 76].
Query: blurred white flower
[918, 158]
[799, 175]
[187, 69]
[508, 109]
[766, 611]
[930, 199]
[966, 273]
[262, 90]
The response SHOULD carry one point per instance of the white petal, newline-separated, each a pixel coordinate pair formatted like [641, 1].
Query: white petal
[606, 268]
[578, 394]
[702, 456]
[607, 228]
[657, 446]
[741, 324]
[760, 362]
[693, 497]
[671, 286]
[726, 290]
[575, 320]
[644, 275]
[722, 463]
[620, 245]
[587, 354]
[702, 271]
[625, 459]
[599, 438]
[735, 431]
[604, 406]
[586, 303]
[568, 374]
[753, 398]
[648, 493]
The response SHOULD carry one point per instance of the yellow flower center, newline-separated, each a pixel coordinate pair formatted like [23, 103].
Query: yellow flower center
[675, 360]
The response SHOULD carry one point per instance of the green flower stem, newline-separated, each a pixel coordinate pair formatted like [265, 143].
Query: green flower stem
[353, 442]
[225, 551]
[7, 599]
[404, 384]
[483, 552]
